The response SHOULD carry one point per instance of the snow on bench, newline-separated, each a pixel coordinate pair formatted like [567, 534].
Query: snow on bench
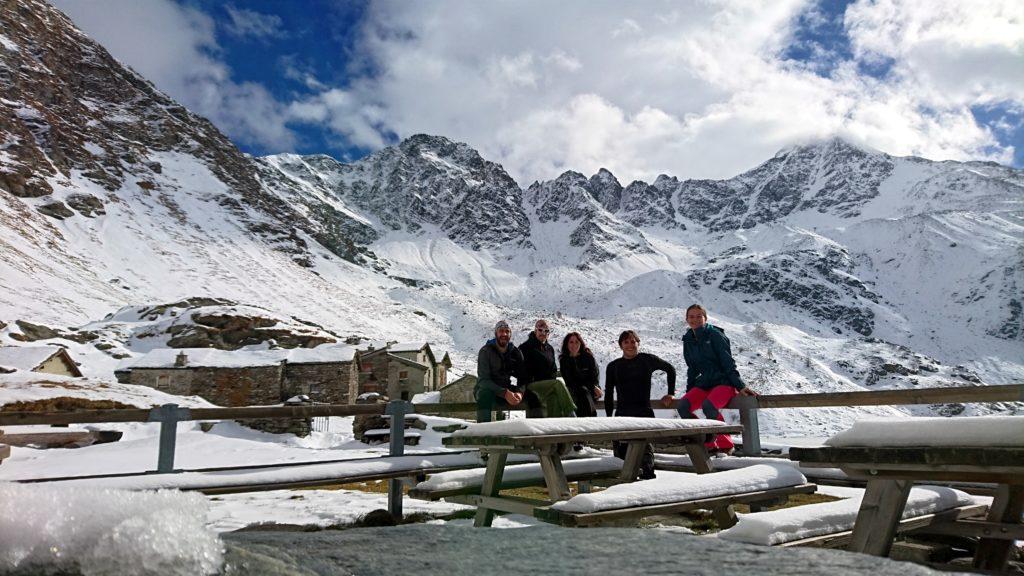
[790, 525]
[314, 474]
[682, 463]
[674, 492]
[387, 432]
[552, 426]
[967, 431]
[459, 482]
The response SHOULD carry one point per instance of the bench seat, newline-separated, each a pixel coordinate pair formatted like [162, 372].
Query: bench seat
[671, 493]
[467, 482]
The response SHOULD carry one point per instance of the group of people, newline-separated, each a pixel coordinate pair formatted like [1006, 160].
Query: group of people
[712, 379]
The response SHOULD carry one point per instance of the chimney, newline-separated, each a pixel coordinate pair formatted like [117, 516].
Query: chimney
[180, 360]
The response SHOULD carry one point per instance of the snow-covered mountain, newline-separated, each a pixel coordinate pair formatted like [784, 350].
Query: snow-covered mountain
[831, 266]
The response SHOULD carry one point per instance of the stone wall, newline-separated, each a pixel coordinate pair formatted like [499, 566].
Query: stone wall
[414, 382]
[229, 387]
[460, 391]
[332, 383]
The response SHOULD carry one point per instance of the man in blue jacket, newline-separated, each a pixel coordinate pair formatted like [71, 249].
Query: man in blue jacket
[712, 379]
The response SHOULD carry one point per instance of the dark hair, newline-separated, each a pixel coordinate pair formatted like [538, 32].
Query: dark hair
[628, 334]
[583, 345]
[698, 307]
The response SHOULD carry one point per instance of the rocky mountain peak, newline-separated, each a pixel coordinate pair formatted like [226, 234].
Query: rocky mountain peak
[605, 187]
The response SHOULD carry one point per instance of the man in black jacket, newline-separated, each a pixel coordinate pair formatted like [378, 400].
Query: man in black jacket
[496, 364]
[630, 378]
[546, 396]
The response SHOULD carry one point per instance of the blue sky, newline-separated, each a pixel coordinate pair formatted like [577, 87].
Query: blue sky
[692, 89]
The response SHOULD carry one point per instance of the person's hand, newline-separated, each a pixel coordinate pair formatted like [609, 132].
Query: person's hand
[667, 400]
[513, 398]
[598, 393]
[747, 392]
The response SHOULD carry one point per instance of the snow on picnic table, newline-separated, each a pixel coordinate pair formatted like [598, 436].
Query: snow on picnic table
[796, 523]
[542, 426]
[977, 431]
[670, 487]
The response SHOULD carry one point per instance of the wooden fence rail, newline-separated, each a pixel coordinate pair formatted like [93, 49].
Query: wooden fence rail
[170, 415]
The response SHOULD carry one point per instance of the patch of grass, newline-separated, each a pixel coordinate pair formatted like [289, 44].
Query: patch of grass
[63, 404]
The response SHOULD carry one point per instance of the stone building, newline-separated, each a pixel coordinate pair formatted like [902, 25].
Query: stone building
[327, 373]
[459, 391]
[43, 359]
[400, 370]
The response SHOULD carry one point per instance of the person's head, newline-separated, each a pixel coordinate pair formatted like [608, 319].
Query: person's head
[696, 316]
[573, 345]
[502, 333]
[541, 330]
[629, 342]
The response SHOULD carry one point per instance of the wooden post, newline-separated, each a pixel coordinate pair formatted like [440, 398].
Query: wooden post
[725, 516]
[748, 419]
[554, 474]
[397, 409]
[634, 458]
[1007, 507]
[492, 485]
[168, 416]
[880, 512]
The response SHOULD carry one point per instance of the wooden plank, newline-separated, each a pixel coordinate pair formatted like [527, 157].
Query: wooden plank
[50, 439]
[492, 484]
[506, 485]
[978, 529]
[5, 452]
[584, 437]
[931, 456]
[554, 477]
[965, 394]
[511, 504]
[922, 523]
[920, 473]
[879, 514]
[555, 516]
[1007, 507]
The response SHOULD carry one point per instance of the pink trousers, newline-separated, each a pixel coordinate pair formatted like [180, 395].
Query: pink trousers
[718, 397]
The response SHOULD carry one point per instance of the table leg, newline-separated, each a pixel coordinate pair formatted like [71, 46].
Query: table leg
[634, 458]
[879, 514]
[1007, 507]
[554, 477]
[492, 485]
[725, 516]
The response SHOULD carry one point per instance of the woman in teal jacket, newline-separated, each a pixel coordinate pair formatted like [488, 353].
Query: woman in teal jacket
[712, 379]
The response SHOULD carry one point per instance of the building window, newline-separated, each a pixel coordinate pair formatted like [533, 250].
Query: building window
[403, 375]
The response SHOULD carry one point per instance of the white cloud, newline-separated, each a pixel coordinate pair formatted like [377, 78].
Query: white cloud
[175, 47]
[693, 89]
[246, 23]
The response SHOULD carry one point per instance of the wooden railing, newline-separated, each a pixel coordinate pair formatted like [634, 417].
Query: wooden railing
[748, 406]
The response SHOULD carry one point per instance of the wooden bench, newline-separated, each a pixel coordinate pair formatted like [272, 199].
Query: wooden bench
[5, 452]
[910, 525]
[581, 519]
[65, 439]
[607, 469]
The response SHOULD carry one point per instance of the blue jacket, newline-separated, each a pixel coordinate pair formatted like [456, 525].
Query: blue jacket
[709, 360]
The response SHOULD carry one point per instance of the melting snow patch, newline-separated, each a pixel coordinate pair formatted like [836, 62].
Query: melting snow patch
[48, 530]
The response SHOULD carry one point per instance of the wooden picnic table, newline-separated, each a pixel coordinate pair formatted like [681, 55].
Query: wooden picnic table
[891, 471]
[551, 446]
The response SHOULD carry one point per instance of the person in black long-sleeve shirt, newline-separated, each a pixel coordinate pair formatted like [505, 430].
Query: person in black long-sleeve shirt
[629, 378]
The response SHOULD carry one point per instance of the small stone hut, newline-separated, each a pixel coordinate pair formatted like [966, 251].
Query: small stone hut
[459, 391]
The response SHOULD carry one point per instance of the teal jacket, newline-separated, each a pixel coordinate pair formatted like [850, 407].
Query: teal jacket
[709, 360]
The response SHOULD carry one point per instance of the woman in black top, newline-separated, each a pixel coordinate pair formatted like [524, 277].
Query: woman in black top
[579, 370]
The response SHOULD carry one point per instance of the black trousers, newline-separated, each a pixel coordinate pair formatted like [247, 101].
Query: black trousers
[584, 401]
[647, 462]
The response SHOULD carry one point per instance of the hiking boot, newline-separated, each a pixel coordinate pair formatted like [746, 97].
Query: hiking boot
[647, 475]
[577, 447]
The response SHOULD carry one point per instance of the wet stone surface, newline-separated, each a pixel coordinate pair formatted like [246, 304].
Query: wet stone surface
[459, 550]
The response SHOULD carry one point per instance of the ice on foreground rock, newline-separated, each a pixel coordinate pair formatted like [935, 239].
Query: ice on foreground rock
[99, 532]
